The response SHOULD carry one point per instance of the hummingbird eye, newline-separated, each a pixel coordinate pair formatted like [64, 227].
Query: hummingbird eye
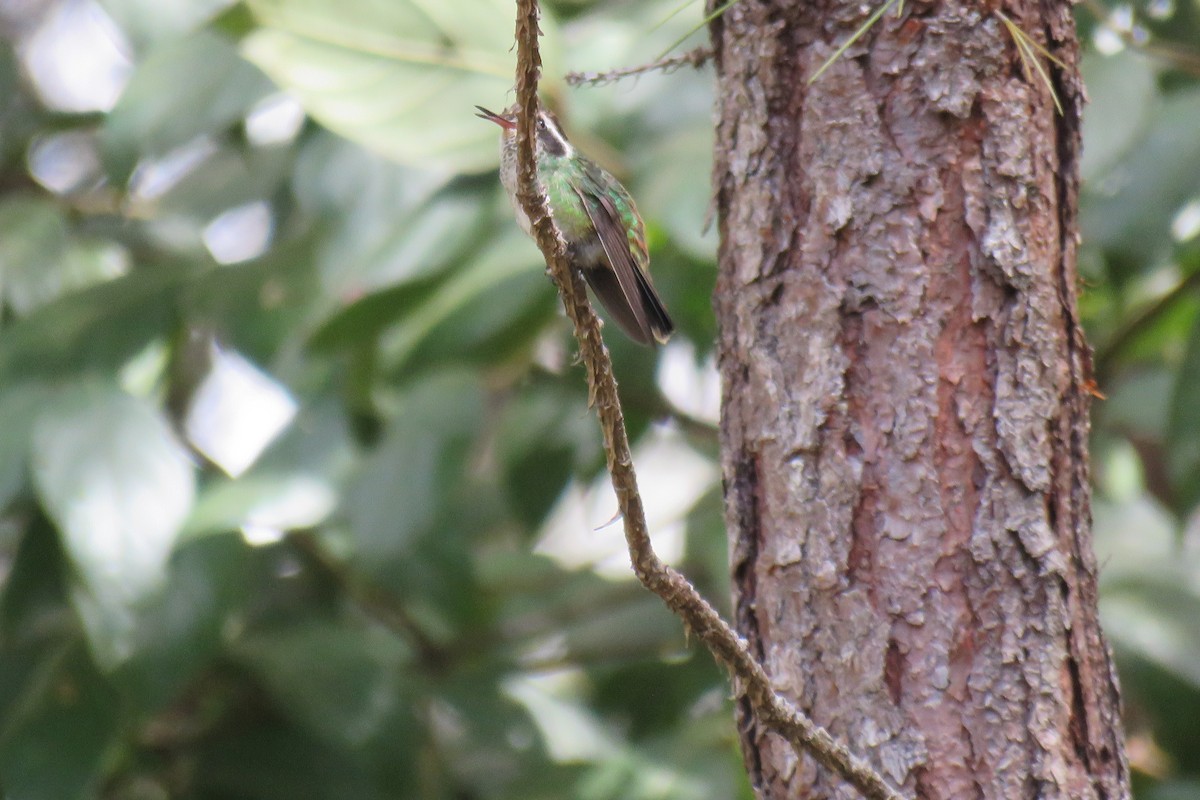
[549, 138]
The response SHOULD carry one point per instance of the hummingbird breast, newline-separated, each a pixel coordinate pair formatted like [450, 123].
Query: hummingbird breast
[508, 179]
[566, 207]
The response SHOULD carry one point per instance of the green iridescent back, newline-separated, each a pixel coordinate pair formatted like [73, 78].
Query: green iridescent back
[568, 180]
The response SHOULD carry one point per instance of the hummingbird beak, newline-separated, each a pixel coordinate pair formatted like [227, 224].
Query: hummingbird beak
[503, 122]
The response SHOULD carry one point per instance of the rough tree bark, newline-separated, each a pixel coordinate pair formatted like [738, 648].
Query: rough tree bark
[906, 389]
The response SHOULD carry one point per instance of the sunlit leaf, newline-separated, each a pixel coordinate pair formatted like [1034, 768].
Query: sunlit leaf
[400, 77]
[272, 501]
[147, 21]
[185, 88]
[39, 261]
[1122, 93]
[118, 485]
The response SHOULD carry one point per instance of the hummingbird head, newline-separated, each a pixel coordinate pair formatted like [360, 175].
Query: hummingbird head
[550, 139]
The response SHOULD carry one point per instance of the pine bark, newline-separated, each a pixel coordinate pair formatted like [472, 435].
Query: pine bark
[906, 397]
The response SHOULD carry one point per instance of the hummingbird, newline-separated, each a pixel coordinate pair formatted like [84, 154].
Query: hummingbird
[605, 237]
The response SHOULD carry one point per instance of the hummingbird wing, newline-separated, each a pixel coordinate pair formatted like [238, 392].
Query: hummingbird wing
[633, 302]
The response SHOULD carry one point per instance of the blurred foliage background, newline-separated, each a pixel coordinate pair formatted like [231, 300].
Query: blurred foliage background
[299, 493]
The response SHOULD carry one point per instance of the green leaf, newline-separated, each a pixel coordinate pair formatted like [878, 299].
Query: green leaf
[33, 235]
[487, 724]
[707, 548]
[1122, 94]
[39, 262]
[180, 633]
[545, 438]
[633, 630]
[93, 329]
[24, 117]
[677, 190]
[36, 623]
[1175, 790]
[1154, 617]
[1139, 403]
[33, 598]
[147, 21]
[339, 682]
[488, 329]
[1130, 207]
[1183, 426]
[402, 490]
[280, 502]
[117, 484]
[471, 308]
[228, 178]
[374, 247]
[258, 306]
[267, 760]
[400, 77]
[185, 88]
[19, 406]
[56, 749]
[654, 696]
[365, 319]
[333, 177]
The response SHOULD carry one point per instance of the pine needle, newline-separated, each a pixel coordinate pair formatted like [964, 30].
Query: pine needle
[1018, 33]
[854, 37]
[703, 22]
[1028, 50]
[671, 16]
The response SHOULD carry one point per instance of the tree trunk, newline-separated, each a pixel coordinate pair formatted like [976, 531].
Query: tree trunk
[906, 391]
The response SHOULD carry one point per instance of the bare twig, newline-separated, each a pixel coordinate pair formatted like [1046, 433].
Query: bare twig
[750, 679]
[694, 58]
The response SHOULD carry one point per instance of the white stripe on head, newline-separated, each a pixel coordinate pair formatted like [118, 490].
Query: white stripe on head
[549, 124]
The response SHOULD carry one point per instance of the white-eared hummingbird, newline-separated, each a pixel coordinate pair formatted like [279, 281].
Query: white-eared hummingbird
[605, 238]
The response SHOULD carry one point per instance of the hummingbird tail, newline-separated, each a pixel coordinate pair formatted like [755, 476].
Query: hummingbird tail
[652, 325]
